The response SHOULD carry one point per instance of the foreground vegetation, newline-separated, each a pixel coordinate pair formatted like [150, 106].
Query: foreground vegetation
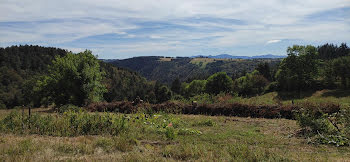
[163, 137]
[94, 114]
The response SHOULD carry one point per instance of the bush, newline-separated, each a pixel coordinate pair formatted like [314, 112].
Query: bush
[325, 123]
[314, 121]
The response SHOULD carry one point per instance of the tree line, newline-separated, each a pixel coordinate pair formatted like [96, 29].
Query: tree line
[41, 76]
[305, 68]
[36, 76]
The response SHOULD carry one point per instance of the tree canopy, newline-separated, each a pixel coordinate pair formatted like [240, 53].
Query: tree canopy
[298, 70]
[218, 82]
[250, 84]
[73, 79]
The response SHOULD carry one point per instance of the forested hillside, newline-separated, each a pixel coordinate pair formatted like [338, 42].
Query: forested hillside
[166, 70]
[19, 64]
[22, 66]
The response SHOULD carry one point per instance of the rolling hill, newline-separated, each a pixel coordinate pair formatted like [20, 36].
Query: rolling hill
[23, 64]
[165, 70]
[227, 56]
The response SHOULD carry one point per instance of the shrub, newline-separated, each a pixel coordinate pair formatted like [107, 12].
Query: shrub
[314, 120]
[324, 124]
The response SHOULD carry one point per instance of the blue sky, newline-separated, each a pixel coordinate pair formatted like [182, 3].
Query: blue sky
[122, 29]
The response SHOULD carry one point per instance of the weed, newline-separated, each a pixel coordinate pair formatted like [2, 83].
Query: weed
[170, 133]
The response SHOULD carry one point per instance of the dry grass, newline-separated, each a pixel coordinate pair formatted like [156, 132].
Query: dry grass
[202, 62]
[325, 96]
[226, 139]
[165, 59]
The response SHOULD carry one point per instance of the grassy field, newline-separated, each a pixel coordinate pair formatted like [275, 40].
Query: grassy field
[191, 137]
[341, 97]
[202, 62]
[165, 59]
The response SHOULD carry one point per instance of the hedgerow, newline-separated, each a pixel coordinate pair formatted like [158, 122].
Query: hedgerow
[226, 109]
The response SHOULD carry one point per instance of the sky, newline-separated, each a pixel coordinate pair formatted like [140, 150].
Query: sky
[118, 29]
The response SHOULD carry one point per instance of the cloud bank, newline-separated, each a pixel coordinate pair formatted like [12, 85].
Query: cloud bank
[121, 29]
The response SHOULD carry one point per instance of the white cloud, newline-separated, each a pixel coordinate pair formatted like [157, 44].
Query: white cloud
[273, 41]
[155, 37]
[262, 22]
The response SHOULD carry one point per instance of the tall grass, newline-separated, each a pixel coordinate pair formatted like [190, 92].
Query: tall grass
[68, 124]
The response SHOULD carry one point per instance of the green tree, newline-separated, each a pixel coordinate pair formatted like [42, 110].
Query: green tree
[250, 84]
[218, 82]
[73, 79]
[163, 94]
[176, 86]
[196, 87]
[264, 69]
[299, 70]
[341, 69]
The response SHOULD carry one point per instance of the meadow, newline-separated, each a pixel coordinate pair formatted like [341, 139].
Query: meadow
[154, 136]
[339, 97]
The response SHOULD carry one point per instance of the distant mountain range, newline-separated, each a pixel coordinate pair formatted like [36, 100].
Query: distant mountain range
[227, 56]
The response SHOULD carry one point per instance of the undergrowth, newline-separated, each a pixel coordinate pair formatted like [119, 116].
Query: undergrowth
[71, 123]
[324, 127]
